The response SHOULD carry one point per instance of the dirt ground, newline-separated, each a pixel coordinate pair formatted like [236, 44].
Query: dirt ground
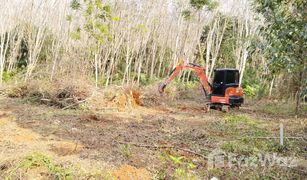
[172, 140]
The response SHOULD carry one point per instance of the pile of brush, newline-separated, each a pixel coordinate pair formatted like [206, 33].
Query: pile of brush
[60, 94]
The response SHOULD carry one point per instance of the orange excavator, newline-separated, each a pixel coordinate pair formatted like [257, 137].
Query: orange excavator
[224, 92]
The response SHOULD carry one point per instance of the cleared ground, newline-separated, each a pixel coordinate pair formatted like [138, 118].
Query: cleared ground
[170, 140]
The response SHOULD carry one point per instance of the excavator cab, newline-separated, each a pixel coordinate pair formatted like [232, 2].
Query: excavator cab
[225, 87]
[223, 79]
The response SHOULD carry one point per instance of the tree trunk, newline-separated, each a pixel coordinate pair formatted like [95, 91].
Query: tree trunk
[298, 93]
[3, 50]
[271, 86]
[96, 69]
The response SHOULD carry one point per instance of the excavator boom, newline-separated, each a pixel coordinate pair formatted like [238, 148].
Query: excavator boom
[196, 68]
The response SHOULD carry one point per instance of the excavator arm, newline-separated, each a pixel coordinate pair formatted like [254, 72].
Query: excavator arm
[196, 68]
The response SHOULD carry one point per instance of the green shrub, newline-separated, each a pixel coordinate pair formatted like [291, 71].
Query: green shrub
[250, 91]
[35, 160]
[9, 76]
[254, 86]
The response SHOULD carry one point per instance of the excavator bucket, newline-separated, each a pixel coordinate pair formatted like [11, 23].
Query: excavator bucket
[161, 88]
[173, 74]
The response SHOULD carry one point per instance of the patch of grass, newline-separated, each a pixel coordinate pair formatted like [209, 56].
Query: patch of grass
[274, 108]
[126, 150]
[234, 119]
[247, 141]
[36, 160]
[249, 145]
[282, 108]
[245, 125]
[261, 144]
[237, 126]
[256, 173]
[239, 148]
[105, 175]
[290, 148]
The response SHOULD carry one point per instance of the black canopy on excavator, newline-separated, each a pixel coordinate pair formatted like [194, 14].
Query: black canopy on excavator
[223, 79]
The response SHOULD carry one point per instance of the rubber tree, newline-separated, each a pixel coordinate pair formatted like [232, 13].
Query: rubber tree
[95, 27]
[5, 34]
[211, 41]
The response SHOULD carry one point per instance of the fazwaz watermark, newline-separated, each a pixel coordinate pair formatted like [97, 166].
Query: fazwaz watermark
[219, 159]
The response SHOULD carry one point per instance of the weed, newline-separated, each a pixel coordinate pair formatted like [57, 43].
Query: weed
[191, 165]
[39, 160]
[214, 172]
[179, 167]
[176, 160]
[160, 174]
[183, 174]
[126, 150]
[9, 76]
